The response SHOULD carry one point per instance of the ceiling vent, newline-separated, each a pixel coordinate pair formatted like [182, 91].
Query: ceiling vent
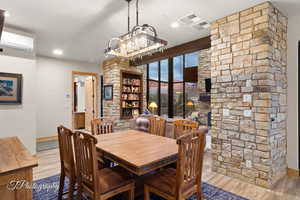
[188, 19]
[194, 21]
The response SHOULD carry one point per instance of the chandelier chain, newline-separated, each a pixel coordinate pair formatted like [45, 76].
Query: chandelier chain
[137, 12]
[128, 16]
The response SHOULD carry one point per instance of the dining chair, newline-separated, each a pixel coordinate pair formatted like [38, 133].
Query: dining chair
[181, 126]
[157, 126]
[67, 161]
[185, 180]
[98, 184]
[103, 125]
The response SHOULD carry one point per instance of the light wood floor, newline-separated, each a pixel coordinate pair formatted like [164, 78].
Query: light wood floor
[286, 189]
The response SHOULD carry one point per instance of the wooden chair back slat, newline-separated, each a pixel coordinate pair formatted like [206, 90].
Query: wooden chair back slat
[102, 126]
[190, 159]
[182, 126]
[85, 150]
[157, 126]
[66, 150]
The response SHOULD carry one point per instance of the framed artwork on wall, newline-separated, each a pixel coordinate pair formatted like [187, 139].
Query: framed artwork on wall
[108, 92]
[10, 88]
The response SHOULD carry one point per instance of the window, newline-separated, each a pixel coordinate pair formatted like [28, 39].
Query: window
[172, 85]
[164, 88]
[158, 86]
[178, 85]
[191, 59]
[191, 80]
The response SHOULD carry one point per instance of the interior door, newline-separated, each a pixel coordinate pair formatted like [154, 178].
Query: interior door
[90, 101]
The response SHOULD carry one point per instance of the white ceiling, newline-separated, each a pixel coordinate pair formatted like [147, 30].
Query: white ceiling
[82, 28]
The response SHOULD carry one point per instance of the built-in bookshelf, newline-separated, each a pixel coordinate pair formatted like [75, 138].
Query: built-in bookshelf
[131, 97]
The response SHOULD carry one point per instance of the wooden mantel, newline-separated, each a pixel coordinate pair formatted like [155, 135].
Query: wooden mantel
[16, 164]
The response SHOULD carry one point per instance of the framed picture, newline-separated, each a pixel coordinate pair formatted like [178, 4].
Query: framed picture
[108, 92]
[10, 88]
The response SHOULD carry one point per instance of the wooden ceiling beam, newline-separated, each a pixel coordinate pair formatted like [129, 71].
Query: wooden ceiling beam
[189, 47]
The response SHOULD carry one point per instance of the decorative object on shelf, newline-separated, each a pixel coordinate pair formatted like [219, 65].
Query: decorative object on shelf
[139, 41]
[108, 92]
[10, 88]
[153, 107]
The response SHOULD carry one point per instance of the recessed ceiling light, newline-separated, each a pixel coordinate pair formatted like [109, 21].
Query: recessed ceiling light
[6, 14]
[58, 52]
[175, 25]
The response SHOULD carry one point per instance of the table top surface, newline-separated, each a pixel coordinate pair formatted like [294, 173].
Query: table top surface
[136, 147]
[14, 155]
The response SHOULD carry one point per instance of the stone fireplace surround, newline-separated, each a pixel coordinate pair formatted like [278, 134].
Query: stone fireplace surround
[247, 67]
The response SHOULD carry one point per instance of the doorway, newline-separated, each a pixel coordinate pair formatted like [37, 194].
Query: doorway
[85, 96]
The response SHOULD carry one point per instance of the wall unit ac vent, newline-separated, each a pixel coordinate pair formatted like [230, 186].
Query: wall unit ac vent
[17, 41]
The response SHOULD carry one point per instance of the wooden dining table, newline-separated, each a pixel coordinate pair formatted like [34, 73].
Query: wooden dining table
[137, 151]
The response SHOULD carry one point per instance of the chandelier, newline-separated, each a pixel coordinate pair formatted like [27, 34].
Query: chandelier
[141, 40]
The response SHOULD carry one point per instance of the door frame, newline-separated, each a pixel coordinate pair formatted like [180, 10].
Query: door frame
[96, 75]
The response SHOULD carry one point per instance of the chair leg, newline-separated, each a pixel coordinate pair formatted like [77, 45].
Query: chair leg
[146, 193]
[79, 192]
[71, 188]
[61, 185]
[131, 193]
[200, 195]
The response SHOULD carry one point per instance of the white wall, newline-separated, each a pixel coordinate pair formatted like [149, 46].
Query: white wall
[54, 86]
[292, 122]
[20, 120]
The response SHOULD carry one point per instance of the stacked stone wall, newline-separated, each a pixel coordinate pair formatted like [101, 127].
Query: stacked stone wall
[249, 91]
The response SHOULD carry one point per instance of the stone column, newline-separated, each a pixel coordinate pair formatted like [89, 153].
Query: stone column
[249, 91]
[112, 76]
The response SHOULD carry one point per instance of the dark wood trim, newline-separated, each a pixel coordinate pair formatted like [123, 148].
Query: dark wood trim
[189, 73]
[1, 21]
[183, 89]
[159, 89]
[147, 92]
[171, 89]
[189, 47]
